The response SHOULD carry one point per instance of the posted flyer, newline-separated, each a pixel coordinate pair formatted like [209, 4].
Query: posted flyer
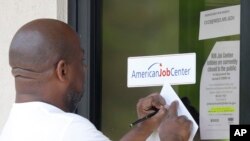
[219, 90]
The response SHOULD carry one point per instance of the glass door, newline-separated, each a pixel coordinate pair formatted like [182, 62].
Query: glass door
[146, 27]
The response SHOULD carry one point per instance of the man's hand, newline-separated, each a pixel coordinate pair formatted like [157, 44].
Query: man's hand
[145, 106]
[173, 127]
[149, 104]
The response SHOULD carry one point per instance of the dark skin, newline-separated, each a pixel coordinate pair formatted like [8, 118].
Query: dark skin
[47, 63]
[173, 127]
[146, 106]
[170, 126]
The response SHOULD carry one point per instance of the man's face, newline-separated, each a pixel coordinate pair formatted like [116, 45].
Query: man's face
[78, 76]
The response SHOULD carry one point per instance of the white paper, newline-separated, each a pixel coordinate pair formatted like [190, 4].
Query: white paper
[220, 22]
[154, 70]
[219, 91]
[169, 95]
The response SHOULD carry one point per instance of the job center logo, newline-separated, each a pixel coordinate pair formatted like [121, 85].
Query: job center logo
[157, 70]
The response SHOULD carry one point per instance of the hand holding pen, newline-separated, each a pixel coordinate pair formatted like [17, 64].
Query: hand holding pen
[150, 119]
[144, 118]
[170, 126]
[153, 115]
[148, 107]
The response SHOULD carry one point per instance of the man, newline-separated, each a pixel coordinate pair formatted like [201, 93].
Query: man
[47, 63]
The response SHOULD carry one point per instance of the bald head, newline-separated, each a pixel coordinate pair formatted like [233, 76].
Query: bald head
[46, 61]
[39, 44]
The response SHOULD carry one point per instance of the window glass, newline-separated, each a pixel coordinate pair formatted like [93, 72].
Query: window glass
[148, 27]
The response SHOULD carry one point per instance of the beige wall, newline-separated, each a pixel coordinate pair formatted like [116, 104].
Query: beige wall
[13, 14]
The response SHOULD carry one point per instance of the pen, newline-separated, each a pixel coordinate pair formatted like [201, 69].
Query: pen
[144, 118]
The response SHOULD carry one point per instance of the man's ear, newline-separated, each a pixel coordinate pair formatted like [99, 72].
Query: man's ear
[62, 70]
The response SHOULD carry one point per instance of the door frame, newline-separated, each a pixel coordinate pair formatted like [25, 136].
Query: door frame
[85, 17]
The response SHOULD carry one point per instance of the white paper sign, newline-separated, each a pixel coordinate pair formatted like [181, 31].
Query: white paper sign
[169, 95]
[154, 70]
[219, 91]
[220, 22]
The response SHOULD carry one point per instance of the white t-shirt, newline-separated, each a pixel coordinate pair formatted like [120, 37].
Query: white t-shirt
[38, 121]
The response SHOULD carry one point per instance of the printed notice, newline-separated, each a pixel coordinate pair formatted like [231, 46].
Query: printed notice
[154, 70]
[219, 91]
[220, 22]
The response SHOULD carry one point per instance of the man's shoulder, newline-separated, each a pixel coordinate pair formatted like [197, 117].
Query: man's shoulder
[80, 122]
[75, 118]
[47, 114]
[81, 128]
